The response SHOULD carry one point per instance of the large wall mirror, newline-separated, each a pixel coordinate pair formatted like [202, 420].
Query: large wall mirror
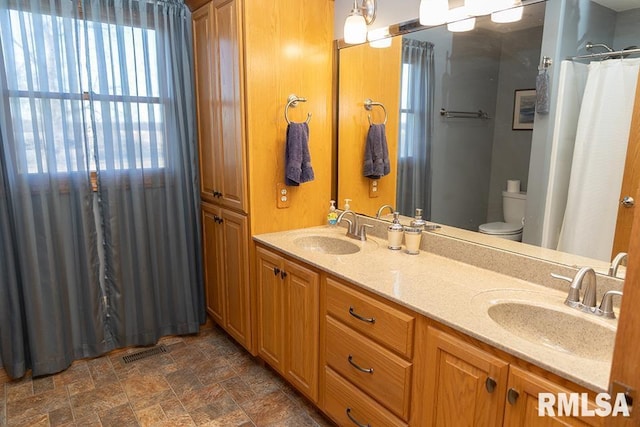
[462, 135]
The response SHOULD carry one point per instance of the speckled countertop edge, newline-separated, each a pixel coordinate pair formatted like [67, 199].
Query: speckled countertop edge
[448, 291]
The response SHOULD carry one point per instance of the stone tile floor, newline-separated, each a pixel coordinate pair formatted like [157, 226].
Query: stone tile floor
[204, 379]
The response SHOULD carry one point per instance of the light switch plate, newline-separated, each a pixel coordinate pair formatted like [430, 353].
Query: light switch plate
[283, 196]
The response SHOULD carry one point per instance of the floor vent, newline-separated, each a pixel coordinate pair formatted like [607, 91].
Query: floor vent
[134, 357]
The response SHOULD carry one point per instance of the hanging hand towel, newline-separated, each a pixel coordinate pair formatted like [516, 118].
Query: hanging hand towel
[376, 153]
[298, 160]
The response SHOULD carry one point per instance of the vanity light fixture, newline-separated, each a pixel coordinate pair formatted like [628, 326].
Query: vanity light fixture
[379, 37]
[513, 14]
[457, 22]
[433, 12]
[355, 26]
[485, 7]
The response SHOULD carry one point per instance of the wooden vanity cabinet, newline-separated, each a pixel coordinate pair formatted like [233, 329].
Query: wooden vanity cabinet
[522, 408]
[367, 355]
[288, 319]
[464, 385]
[226, 270]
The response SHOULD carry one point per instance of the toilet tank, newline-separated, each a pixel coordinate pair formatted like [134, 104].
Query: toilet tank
[513, 206]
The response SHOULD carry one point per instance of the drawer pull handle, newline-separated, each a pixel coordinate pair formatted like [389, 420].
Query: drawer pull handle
[353, 420]
[364, 319]
[490, 384]
[359, 368]
[276, 271]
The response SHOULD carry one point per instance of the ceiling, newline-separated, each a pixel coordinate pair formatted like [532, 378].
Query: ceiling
[619, 5]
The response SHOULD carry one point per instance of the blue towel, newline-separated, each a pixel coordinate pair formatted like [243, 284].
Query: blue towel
[298, 160]
[542, 93]
[376, 153]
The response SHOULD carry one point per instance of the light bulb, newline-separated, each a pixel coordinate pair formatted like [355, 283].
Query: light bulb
[379, 37]
[355, 29]
[508, 15]
[485, 7]
[433, 12]
[458, 23]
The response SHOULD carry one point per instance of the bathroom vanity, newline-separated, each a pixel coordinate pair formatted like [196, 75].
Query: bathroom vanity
[420, 339]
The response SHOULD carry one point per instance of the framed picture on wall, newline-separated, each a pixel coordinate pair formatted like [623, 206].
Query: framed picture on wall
[524, 109]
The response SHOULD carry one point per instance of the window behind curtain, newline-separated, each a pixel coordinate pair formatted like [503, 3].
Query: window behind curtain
[89, 89]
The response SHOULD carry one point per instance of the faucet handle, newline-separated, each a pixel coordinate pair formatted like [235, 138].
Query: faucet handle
[363, 231]
[606, 306]
[573, 299]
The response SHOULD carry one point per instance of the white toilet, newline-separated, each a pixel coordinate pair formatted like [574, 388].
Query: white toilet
[513, 211]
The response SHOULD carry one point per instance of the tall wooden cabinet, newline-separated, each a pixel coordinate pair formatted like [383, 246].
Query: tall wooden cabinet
[249, 56]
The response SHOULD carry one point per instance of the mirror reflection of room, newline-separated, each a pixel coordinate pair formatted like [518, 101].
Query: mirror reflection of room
[466, 143]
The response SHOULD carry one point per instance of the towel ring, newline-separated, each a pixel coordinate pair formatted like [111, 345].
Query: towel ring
[293, 102]
[369, 104]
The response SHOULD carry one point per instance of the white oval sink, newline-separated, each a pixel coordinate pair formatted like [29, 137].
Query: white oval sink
[327, 245]
[555, 329]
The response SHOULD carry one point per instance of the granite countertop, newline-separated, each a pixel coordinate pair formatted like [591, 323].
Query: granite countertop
[457, 295]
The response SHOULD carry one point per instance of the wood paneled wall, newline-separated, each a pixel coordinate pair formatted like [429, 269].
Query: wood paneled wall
[367, 72]
[289, 49]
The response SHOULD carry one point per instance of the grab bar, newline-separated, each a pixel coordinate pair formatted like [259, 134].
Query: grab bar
[449, 114]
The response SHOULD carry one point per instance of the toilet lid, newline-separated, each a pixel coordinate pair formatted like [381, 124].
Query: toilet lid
[500, 228]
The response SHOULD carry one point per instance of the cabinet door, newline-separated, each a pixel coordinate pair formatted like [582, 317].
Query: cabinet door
[270, 316]
[301, 324]
[204, 85]
[236, 276]
[212, 251]
[465, 386]
[523, 409]
[227, 44]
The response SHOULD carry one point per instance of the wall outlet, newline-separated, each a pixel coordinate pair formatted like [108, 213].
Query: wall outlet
[283, 196]
[373, 188]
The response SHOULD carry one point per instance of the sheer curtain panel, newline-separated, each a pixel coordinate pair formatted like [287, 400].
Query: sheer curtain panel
[98, 195]
[416, 128]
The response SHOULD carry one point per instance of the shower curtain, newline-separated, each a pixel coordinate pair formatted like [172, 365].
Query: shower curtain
[99, 231]
[599, 156]
[413, 187]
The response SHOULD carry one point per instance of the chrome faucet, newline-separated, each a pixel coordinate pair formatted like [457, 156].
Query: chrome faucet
[585, 277]
[382, 208]
[613, 269]
[353, 230]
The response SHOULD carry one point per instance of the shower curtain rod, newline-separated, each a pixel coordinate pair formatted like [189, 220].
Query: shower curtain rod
[617, 53]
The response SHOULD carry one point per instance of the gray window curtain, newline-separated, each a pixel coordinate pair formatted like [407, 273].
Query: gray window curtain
[99, 201]
[416, 128]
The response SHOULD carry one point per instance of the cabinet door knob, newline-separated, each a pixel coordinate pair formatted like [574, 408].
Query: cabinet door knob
[276, 271]
[283, 274]
[353, 420]
[628, 202]
[358, 367]
[512, 396]
[490, 384]
[353, 313]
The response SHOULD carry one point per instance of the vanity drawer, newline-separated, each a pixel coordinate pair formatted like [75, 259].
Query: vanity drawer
[348, 406]
[376, 371]
[375, 319]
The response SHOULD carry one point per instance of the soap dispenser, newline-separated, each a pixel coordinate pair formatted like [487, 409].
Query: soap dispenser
[346, 204]
[394, 233]
[332, 216]
[418, 221]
